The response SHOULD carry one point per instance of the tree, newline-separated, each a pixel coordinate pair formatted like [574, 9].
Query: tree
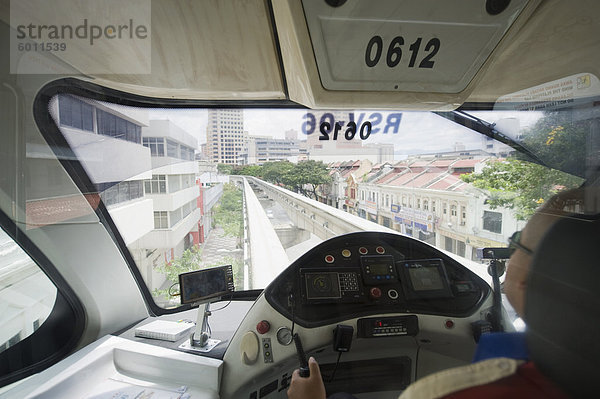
[250, 170]
[277, 172]
[520, 185]
[306, 176]
[224, 169]
[228, 213]
[559, 141]
[190, 260]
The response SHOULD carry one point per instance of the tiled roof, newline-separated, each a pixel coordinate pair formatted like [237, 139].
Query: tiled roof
[467, 163]
[424, 179]
[445, 183]
[442, 163]
[418, 164]
[389, 176]
[401, 179]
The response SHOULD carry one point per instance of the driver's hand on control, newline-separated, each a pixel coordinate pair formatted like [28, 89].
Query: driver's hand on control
[307, 388]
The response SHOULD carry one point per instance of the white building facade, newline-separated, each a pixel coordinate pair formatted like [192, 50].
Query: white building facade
[173, 190]
[426, 200]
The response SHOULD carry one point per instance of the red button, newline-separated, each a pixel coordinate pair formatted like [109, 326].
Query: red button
[449, 324]
[380, 250]
[375, 292]
[363, 250]
[329, 259]
[263, 327]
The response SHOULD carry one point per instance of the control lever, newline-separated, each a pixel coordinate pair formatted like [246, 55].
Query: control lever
[304, 370]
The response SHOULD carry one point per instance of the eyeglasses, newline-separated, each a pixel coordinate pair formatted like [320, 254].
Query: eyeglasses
[514, 243]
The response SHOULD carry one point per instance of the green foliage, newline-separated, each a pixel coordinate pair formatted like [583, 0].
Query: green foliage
[278, 172]
[247, 170]
[520, 185]
[559, 141]
[224, 169]
[303, 177]
[190, 260]
[306, 176]
[228, 213]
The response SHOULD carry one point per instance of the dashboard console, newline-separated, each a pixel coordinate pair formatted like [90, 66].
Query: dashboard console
[367, 273]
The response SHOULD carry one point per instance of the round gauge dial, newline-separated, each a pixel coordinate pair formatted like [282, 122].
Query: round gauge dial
[284, 336]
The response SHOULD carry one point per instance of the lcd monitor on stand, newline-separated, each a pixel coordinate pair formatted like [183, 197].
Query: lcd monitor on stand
[202, 287]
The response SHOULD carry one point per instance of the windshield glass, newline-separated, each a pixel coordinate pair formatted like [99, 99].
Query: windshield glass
[256, 188]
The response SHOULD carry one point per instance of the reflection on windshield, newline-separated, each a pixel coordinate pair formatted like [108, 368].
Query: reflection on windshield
[172, 180]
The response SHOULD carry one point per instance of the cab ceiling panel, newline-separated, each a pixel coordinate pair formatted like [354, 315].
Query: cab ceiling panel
[412, 54]
[560, 40]
[209, 50]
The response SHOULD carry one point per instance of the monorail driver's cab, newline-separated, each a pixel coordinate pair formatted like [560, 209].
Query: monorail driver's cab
[196, 196]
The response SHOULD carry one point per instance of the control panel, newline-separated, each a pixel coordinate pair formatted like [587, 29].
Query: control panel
[380, 278]
[368, 273]
[387, 326]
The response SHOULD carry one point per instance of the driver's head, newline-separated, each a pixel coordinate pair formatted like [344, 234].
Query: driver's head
[515, 283]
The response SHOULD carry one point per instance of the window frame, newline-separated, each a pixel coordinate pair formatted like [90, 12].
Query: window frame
[161, 216]
[158, 181]
[70, 108]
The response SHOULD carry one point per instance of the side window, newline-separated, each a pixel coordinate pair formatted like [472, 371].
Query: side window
[26, 294]
[40, 322]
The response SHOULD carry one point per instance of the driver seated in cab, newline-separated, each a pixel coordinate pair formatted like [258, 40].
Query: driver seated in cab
[510, 374]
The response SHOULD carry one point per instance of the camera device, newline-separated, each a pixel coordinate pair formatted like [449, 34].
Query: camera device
[493, 253]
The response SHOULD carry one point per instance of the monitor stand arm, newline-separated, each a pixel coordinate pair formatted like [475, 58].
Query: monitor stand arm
[202, 334]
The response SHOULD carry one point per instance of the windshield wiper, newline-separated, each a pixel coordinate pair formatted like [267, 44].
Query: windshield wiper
[487, 129]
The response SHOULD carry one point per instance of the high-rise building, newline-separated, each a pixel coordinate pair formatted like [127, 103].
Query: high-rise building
[225, 135]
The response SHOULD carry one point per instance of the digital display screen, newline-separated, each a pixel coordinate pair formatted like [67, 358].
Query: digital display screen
[322, 286]
[201, 285]
[379, 268]
[426, 278]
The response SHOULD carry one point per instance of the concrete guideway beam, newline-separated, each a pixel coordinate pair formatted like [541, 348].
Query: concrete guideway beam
[266, 254]
[320, 219]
